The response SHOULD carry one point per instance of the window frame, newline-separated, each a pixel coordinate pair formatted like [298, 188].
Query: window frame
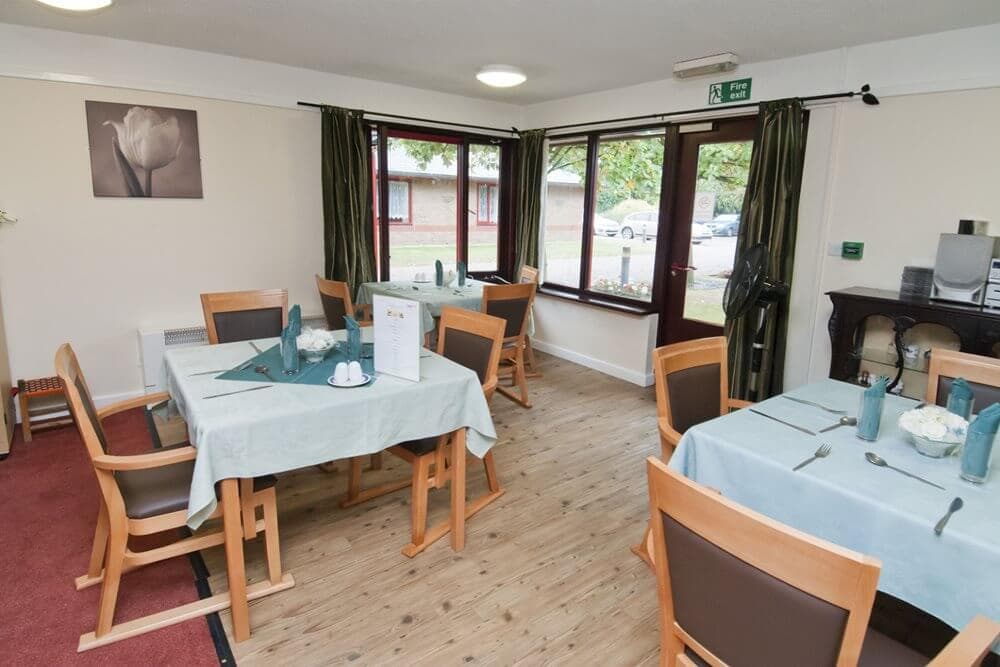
[582, 291]
[400, 222]
[506, 183]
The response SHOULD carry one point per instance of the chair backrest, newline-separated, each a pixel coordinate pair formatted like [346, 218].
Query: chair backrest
[337, 303]
[529, 274]
[235, 316]
[736, 587]
[511, 303]
[473, 340]
[692, 381]
[982, 373]
[81, 406]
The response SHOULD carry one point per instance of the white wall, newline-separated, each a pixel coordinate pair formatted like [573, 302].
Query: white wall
[900, 175]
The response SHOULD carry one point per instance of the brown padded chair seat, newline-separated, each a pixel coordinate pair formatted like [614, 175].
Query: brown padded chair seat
[877, 651]
[334, 309]
[149, 493]
[421, 446]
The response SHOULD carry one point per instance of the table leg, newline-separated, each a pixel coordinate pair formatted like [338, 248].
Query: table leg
[235, 568]
[458, 490]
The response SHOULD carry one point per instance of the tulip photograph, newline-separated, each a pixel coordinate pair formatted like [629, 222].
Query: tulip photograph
[143, 151]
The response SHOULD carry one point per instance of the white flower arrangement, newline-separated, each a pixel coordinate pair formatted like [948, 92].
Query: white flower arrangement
[315, 340]
[934, 423]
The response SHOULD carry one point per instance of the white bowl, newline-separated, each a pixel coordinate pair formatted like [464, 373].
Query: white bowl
[949, 432]
[314, 356]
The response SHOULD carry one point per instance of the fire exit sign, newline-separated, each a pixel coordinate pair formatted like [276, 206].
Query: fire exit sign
[729, 91]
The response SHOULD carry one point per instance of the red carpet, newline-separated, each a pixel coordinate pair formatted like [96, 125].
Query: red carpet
[48, 507]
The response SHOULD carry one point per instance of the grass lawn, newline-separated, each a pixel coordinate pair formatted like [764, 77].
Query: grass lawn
[705, 306]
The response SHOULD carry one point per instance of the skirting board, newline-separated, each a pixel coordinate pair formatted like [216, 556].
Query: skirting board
[620, 372]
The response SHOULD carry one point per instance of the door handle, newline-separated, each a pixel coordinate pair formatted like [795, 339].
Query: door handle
[675, 268]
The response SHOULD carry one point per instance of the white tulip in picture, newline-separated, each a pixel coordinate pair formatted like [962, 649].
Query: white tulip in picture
[143, 151]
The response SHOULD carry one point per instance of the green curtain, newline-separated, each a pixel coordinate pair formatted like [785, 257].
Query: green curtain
[530, 176]
[769, 216]
[348, 232]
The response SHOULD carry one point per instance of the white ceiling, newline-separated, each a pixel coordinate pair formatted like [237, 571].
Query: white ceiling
[566, 47]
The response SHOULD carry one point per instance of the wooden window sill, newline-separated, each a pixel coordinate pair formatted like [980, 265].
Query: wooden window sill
[598, 301]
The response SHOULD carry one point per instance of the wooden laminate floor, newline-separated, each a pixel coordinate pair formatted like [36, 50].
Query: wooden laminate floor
[546, 576]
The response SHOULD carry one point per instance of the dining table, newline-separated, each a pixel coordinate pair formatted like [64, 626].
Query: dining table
[751, 456]
[260, 424]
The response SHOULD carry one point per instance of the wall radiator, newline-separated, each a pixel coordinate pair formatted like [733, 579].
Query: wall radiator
[153, 343]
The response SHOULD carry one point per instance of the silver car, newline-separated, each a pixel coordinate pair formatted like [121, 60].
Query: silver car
[644, 224]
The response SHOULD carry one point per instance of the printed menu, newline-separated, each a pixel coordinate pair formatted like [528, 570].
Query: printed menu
[398, 336]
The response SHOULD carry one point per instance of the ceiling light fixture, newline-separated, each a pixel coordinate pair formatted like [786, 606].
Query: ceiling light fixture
[720, 62]
[501, 76]
[77, 5]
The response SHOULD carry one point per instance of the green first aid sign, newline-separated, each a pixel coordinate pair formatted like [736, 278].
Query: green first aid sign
[729, 91]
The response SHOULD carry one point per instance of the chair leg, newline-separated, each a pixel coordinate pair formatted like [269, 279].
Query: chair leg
[271, 545]
[518, 379]
[248, 508]
[25, 417]
[376, 462]
[100, 548]
[529, 355]
[491, 472]
[418, 498]
[643, 549]
[113, 565]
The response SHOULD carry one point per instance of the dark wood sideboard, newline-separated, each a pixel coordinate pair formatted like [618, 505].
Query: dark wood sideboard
[977, 328]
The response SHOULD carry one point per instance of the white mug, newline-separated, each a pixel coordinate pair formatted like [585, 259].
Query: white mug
[340, 373]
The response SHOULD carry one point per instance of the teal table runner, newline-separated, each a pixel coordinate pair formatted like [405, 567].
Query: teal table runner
[308, 373]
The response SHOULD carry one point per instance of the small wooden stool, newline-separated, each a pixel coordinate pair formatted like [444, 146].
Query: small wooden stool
[38, 398]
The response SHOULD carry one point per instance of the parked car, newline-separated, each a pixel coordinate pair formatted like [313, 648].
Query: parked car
[644, 224]
[605, 226]
[725, 224]
[699, 233]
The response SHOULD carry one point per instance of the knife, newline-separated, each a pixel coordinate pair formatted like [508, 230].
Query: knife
[781, 421]
[241, 391]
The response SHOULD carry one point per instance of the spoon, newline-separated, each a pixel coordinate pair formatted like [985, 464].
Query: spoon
[956, 505]
[263, 370]
[879, 461]
[843, 421]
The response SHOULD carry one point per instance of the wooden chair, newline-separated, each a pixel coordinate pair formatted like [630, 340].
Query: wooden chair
[236, 316]
[512, 303]
[144, 494]
[692, 386]
[529, 274]
[336, 298]
[735, 587]
[473, 340]
[982, 374]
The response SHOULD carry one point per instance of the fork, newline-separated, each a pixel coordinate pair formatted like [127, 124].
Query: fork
[821, 453]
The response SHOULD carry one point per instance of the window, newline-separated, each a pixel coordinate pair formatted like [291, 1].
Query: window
[627, 213]
[489, 204]
[400, 203]
[564, 206]
[425, 179]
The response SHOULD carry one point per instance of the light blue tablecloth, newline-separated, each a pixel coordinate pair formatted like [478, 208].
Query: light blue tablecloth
[290, 426]
[848, 501]
[431, 297]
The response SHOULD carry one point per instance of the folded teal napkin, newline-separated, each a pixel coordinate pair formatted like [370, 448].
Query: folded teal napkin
[462, 272]
[353, 351]
[870, 416]
[438, 273]
[960, 398]
[978, 448]
[289, 350]
[295, 321]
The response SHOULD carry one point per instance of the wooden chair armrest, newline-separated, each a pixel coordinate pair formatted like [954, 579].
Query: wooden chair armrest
[130, 403]
[668, 433]
[489, 388]
[145, 461]
[970, 646]
[737, 403]
[363, 314]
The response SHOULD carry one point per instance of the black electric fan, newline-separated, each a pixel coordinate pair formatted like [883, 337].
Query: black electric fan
[750, 289]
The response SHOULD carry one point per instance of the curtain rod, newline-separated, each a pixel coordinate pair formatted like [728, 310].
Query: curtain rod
[866, 96]
[512, 130]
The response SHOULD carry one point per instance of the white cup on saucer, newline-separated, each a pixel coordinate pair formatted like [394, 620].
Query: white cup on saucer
[341, 374]
[354, 373]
